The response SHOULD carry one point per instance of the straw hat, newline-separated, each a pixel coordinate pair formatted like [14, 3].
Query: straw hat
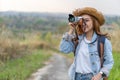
[90, 11]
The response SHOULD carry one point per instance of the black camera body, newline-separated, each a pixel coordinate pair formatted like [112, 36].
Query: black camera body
[73, 18]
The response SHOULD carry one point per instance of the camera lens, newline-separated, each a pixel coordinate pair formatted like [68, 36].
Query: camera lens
[71, 18]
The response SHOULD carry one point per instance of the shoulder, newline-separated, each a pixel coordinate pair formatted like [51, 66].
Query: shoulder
[108, 45]
[104, 39]
[107, 41]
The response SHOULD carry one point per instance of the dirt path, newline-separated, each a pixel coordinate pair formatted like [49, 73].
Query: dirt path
[56, 69]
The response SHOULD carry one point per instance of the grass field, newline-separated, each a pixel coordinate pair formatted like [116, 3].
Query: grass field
[21, 68]
[115, 72]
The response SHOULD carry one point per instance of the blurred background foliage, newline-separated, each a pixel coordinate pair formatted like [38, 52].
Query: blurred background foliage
[21, 33]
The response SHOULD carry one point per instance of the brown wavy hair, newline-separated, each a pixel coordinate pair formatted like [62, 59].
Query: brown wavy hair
[96, 27]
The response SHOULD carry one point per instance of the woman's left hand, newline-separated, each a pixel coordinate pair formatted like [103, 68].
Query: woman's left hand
[97, 77]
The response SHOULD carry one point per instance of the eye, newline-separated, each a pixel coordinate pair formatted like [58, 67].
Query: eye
[87, 20]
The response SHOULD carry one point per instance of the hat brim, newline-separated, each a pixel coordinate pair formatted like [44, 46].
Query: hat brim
[90, 11]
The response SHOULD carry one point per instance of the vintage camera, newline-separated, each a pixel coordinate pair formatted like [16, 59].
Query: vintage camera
[74, 19]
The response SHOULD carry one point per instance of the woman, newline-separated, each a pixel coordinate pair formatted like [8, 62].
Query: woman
[87, 65]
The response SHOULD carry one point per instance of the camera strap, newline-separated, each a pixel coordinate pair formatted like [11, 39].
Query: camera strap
[75, 41]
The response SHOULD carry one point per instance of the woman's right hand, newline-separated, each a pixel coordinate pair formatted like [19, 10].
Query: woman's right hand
[72, 27]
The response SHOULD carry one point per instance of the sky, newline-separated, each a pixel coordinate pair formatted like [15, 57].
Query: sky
[111, 7]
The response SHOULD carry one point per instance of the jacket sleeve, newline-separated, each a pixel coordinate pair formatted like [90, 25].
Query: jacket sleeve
[108, 58]
[66, 45]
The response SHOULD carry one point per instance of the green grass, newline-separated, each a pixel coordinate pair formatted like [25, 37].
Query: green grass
[115, 72]
[20, 69]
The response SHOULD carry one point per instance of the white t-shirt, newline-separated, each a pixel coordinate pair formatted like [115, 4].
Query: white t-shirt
[83, 58]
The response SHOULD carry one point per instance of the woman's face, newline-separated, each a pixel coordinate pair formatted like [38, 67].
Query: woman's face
[89, 23]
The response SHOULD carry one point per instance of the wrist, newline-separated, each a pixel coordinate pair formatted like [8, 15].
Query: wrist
[102, 74]
[70, 31]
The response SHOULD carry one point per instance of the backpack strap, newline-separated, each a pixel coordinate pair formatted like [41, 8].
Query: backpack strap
[101, 41]
[76, 42]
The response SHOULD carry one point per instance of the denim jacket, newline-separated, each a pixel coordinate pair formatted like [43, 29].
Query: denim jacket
[67, 46]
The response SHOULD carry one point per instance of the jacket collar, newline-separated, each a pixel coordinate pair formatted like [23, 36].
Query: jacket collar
[94, 37]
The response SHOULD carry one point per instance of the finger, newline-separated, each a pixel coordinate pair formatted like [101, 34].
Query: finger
[72, 24]
[96, 78]
[92, 78]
